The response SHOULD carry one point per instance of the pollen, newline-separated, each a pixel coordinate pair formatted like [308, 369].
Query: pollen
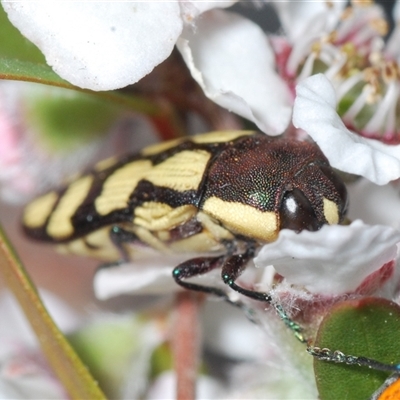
[347, 13]
[380, 25]
[362, 3]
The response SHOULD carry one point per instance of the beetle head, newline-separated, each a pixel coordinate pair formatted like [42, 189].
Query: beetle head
[315, 196]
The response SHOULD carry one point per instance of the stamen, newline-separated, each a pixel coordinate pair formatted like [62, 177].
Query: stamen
[347, 84]
[353, 57]
[334, 71]
[347, 13]
[380, 26]
[308, 67]
[384, 118]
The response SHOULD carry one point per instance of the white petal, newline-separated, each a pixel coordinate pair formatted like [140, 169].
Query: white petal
[226, 327]
[192, 9]
[315, 112]
[298, 17]
[392, 47]
[22, 378]
[230, 58]
[374, 204]
[149, 278]
[334, 260]
[149, 275]
[99, 45]
[396, 11]
[164, 387]
[16, 328]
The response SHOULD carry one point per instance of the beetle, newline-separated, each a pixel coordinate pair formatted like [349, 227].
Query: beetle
[218, 195]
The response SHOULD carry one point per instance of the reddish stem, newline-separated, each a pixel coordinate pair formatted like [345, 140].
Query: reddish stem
[186, 343]
[167, 123]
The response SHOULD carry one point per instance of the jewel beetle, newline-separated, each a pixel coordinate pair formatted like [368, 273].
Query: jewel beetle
[218, 196]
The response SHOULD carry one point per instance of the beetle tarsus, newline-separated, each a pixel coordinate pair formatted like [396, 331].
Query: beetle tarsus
[233, 268]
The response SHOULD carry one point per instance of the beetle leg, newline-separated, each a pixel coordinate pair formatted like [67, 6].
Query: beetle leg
[198, 266]
[118, 237]
[233, 267]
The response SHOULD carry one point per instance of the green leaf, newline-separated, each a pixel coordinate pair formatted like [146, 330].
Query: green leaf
[12, 69]
[65, 363]
[64, 119]
[369, 327]
[14, 45]
[161, 360]
[21, 70]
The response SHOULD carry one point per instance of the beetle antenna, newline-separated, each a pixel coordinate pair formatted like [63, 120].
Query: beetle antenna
[338, 357]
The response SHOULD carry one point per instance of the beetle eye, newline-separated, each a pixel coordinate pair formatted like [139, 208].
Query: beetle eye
[297, 212]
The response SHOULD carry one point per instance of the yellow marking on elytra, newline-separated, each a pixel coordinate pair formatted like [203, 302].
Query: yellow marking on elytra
[37, 212]
[220, 136]
[243, 219]
[60, 225]
[331, 212]
[159, 216]
[118, 187]
[183, 171]
[104, 164]
[160, 147]
[210, 137]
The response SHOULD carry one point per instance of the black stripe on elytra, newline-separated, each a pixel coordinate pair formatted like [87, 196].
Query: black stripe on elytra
[86, 219]
[146, 191]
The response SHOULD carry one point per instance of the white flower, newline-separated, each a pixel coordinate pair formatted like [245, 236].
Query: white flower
[360, 78]
[333, 261]
[230, 58]
[149, 276]
[115, 44]
[315, 112]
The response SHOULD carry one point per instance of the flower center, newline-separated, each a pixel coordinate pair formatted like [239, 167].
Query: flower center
[354, 58]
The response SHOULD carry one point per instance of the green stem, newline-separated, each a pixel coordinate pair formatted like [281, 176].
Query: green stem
[67, 366]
